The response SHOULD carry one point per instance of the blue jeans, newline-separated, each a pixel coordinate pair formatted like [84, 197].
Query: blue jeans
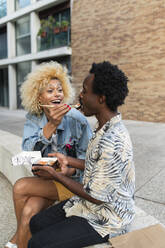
[52, 229]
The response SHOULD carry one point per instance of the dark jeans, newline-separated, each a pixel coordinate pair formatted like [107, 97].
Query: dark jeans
[52, 229]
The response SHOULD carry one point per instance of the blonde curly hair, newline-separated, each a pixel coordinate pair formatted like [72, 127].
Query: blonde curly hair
[37, 80]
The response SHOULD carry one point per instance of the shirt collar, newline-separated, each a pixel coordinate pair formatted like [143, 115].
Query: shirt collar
[108, 124]
[115, 119]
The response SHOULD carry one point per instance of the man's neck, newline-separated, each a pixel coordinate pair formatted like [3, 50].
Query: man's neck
[104, 116]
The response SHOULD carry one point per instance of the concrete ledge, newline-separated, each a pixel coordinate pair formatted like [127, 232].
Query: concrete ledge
[141, 220]
[10, 145]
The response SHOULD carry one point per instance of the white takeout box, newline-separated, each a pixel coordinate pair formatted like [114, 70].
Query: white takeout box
[26, 158]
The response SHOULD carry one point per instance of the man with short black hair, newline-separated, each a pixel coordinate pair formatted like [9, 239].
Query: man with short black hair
[104, 204]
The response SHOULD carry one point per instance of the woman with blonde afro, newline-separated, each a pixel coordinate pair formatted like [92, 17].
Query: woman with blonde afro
[51, 126]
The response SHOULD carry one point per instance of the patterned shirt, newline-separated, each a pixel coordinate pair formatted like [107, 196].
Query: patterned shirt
[109, 176]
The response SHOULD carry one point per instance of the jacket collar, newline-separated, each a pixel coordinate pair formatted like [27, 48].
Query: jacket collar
[43, 120]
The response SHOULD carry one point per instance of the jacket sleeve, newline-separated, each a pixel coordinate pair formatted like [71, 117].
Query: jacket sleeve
[33, 138]
[85, 136]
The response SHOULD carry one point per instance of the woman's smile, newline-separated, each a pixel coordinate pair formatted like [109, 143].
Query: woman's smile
[53, 94]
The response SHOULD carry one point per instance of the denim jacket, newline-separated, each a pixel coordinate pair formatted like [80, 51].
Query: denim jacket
[73, 135]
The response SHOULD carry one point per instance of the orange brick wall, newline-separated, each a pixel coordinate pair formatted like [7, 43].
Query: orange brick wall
[130, 34]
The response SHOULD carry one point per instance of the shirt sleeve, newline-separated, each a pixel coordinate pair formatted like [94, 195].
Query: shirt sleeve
[33, 137]
[104, 177]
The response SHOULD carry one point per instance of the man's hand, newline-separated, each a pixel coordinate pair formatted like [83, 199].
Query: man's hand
[62, 159]
[67, 160]
[63, 163]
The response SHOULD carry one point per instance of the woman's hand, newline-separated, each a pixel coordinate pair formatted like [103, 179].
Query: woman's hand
[46, 172]
[54, 115]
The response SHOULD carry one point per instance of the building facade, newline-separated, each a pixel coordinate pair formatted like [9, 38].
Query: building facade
[130, 34]
[31, 32]
[127, 33]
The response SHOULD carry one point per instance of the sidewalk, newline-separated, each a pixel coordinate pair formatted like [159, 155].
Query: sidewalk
[148, 142]
[12, 121]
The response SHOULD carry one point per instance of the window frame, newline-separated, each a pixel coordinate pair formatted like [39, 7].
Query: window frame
[22, 36]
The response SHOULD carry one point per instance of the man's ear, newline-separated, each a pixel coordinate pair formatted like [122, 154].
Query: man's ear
[102, 99]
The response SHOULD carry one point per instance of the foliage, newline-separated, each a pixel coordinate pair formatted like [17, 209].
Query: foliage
[50, 25]
[64, 23]
[46, 26]
[57, 25]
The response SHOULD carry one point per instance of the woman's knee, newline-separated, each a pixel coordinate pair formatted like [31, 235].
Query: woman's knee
[20, 186]
[27, 213]
[33, 206]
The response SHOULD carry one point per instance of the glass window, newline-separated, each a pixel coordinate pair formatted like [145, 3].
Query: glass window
[64, 60]
[23, 44]
[22, 69]
[54, 33]
[3, 8]
[3, 42]
[63, 16]
[21, 3]
[4, 91]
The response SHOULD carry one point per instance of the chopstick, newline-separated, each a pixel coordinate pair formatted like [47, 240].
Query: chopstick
[77, 106]
[47, 106]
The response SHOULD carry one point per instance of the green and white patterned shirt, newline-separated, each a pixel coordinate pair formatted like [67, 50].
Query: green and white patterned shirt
[109, 176]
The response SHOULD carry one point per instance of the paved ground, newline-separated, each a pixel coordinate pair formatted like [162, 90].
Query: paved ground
[12, 121]
[7, 217]
[148, 141]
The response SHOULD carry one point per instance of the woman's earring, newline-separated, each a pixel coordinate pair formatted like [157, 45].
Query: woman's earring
[39, 106]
